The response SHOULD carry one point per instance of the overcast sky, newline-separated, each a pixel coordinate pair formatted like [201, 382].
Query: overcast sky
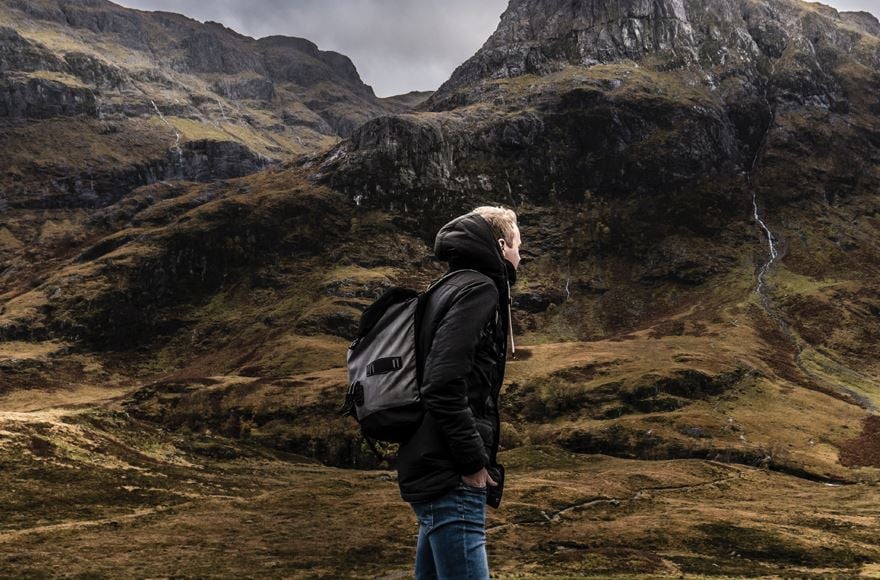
[397, 45]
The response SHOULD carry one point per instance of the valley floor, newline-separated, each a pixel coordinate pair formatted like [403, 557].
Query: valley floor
[88, 491]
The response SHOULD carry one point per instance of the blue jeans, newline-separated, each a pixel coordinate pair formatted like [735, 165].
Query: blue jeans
[452, 535]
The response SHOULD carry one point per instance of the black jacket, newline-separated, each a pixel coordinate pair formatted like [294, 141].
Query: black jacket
[462, 350]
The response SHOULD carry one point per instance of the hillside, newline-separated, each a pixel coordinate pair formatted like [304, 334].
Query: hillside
[97, 100]
[697, 315]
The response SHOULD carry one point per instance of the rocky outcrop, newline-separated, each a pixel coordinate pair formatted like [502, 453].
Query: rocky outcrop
[38, 98]
[96, 72]
[204, 51]
[203, 160]
[572, 139]
[207, 160]
[98, 16]
[18, 54]
[723, 37]
[297, 60]
[260, 89]
[539, 36]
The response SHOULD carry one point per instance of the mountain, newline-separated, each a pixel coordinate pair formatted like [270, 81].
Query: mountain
[697, 313]
[157, 95]
[722, 67]
[97, 100]
[409, 100]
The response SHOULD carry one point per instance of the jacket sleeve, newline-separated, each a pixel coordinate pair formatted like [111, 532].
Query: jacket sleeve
[449, 361]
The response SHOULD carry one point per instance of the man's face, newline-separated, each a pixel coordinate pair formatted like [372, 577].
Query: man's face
[511, 251]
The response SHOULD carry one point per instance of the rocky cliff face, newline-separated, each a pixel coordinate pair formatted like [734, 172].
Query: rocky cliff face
[724, 37]
[539, 36]
[680, 104]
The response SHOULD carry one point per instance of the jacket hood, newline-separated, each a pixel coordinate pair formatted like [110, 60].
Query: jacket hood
[467, 242]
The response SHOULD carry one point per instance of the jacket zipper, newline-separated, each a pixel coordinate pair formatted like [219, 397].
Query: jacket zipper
[510, 324]
[496, 391]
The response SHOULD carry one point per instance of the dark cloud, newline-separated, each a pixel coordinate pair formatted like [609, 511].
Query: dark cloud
[397, 45]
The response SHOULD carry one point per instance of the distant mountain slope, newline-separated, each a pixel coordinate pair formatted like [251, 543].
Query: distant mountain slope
[97, 100]
[409, 100]
[289, 78]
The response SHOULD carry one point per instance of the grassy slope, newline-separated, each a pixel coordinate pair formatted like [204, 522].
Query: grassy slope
[713, 378]
[119, 495]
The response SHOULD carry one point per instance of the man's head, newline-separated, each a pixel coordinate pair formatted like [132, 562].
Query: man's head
[505, 231]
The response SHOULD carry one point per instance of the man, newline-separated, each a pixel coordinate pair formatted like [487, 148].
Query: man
[447, 470]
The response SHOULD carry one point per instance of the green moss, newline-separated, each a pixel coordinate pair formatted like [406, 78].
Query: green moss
[788, 282]
[360, 274]
[534, 457]
[59, 77]
[636, 81]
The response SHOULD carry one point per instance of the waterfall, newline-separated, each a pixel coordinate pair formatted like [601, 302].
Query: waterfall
[760, 287]
[176, 147]
[818, 382]
[773, 252]
[222, 111]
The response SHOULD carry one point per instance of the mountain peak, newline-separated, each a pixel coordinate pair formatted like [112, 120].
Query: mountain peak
[864, 21]
[544, 36]
[537, 36]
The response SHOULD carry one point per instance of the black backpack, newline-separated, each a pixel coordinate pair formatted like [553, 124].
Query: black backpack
[384, 378]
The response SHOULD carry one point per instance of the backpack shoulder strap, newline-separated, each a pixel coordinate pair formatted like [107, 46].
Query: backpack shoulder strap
[448, 275]
[375, 311]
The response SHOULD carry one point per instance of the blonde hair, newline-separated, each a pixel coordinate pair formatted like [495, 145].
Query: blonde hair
[502, 221]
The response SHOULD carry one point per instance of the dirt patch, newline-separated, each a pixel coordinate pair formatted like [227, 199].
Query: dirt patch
[583, 373]
[761, 545]
[864, 450]
[677, 328]
[577, 557]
